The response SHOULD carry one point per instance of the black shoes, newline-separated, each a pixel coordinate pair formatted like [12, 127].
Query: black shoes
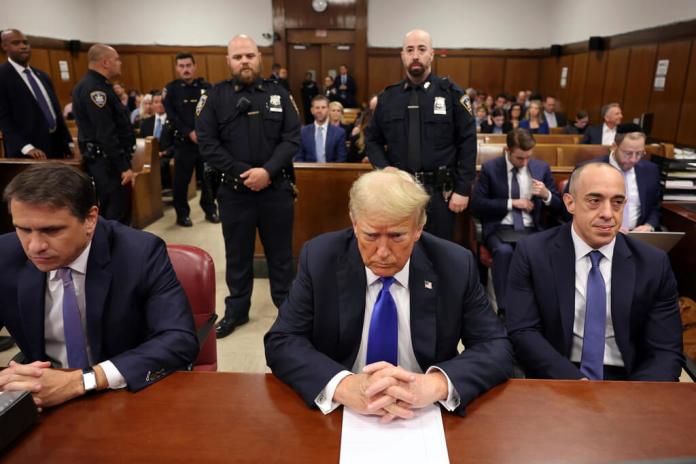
[214, 218]
[227, 325]
[184, 222]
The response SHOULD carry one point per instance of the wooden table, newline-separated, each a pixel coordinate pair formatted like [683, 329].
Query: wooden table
[230, 417]
[680, 217]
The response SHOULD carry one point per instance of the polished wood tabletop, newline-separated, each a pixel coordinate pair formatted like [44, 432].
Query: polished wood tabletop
[231, 417]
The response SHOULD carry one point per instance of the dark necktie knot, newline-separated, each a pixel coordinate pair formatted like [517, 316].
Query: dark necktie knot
[595, 256]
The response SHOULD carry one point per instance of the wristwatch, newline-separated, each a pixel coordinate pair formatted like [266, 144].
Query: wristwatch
[89, 379]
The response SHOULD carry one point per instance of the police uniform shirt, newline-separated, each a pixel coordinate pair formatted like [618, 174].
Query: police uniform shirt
[180, 102]
[223, 127]
[102, 119]
[448, 129]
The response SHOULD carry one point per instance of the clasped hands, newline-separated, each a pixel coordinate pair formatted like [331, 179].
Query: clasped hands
[48, 387]
[389, 391]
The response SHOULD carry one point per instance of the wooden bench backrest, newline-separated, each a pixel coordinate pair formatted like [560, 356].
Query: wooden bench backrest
[540, 138]
[350, 115]
[572, 155]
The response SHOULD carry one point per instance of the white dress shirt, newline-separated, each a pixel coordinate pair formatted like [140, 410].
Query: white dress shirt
[20, 70]
[524, 178]
[551, 119]
[406, 358]
[631, 194]
[583, 264]
[608, 135]
[54, 334]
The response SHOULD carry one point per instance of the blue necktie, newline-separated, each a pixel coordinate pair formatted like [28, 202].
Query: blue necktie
[72, 325]
[383, 337]
[43, 104]
[592, 362]
[158, 128]
[517, 221]
[319, 145]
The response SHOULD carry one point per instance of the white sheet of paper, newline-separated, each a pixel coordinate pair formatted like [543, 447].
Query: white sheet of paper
[417, 440]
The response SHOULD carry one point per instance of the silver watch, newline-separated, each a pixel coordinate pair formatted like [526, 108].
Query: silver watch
[89, 379]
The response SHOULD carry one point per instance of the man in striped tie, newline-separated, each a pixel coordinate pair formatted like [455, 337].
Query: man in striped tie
[375, 314]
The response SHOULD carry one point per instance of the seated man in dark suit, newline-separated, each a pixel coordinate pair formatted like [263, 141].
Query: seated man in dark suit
[604, 133]
[509, 195]
[579, 126]
[375, 314]
[321, 142]
[31, 119]
[642, 178]
[553, 118]
[159, 127]
[499, 126]
[83, 293]
[585, 301]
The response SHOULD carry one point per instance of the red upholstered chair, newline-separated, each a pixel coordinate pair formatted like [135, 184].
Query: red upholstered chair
[196, 271]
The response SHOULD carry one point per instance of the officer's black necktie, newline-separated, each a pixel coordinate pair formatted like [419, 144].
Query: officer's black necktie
[414, 132]
[255, 136]
[517, 220]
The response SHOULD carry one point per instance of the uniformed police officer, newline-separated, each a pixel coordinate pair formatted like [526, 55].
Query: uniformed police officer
[105, 135]
[427, 126]
[249, 130]
[181, 97]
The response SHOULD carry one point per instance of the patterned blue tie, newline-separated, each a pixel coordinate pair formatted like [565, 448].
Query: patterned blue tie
[383, 337]
[319, 145]
[41, 100]
[158, 128]
[517, 220]
[72, 325]
[592, 362]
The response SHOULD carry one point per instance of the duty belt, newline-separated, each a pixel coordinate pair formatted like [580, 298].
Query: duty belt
[443, 178]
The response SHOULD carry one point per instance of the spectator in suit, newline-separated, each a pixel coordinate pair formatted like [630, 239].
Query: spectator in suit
[309, 90]
[83, 293]
[510, 194]
[322, 142]
[385, 300]
[345, 87]
[579, 125]
[605, 133]
[515, 115]
[534, 120]
[30, 116]
[587, 302]
[501, 101]
[159, 127]
[329, 90]
[481, 117]
[498, 124]
[553, 118]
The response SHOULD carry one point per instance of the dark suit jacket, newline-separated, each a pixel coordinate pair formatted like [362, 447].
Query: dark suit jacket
[593, 135]
[491, 193]
[21, 120]
[488, 128]
[561, 119]
[649, 191]
[346, 97]
[319, 327]
[138, 316]
[166, 141]
[335, 148]
[541, 307]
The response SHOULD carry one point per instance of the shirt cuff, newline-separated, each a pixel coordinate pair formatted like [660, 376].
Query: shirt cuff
[324, 399]
[27, 148]
[113, 376]
[509, 204]
[548, 198]
[453, 400]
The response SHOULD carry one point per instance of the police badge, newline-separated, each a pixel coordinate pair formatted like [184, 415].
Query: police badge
[201, 104]
[274, 104]
[466, 103]
[439, 106]
[98, 98]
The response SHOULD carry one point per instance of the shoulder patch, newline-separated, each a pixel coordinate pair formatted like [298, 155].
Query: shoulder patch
[466, 103]
[201, 104]
[98, 98]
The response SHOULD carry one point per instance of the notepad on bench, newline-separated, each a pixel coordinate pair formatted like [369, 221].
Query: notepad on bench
[417, 440]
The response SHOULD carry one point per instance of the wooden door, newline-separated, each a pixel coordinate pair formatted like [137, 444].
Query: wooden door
[301, 59]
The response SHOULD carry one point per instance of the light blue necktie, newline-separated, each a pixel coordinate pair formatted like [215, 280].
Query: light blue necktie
[72, 325]
[158, 128]
[383, 336]
[592, 362]
[319, 145]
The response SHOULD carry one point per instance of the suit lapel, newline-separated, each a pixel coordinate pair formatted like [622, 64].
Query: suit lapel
[20, 83]
[502, 175]
[562, 255]
[312, 143]
[622, 286]
[351, 300]
[31, 305]
[97, 285]
[423, 290]
[642, 189]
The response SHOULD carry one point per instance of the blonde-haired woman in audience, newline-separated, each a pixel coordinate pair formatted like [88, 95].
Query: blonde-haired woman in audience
[336, 117]
[143, 111]
[534, 120]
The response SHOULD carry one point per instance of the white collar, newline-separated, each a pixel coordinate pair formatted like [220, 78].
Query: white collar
[326, 123]
[613, 162]
[582, 248]
[401, 277]
[18, 67]
[79, 265]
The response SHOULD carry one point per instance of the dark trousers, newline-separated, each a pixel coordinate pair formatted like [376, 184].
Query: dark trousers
[186, 159]
[241, 213]
[111, 195]
[502, 257]
[440, 219]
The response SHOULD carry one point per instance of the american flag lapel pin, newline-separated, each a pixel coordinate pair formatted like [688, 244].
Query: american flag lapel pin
[428, 284]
